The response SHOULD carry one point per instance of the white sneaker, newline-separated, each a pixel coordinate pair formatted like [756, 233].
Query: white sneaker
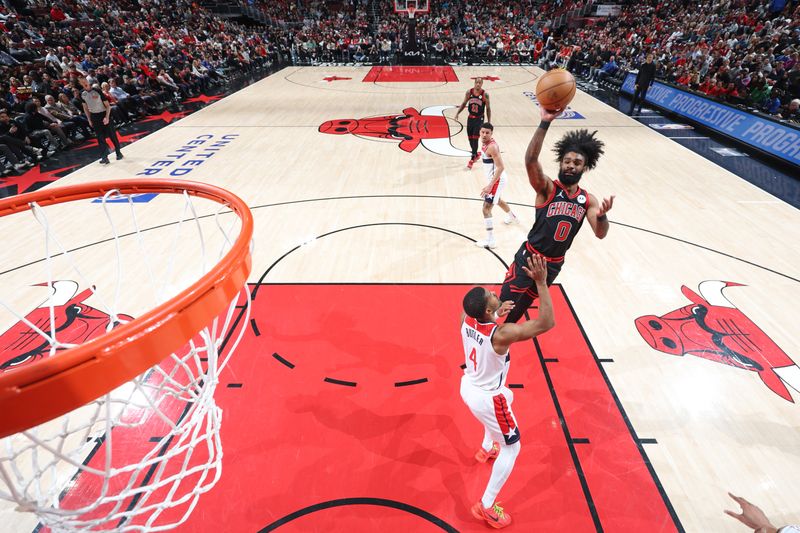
[488, 243]
[511, 218]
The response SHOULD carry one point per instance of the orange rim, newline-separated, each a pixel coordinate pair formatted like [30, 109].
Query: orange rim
[57, 385]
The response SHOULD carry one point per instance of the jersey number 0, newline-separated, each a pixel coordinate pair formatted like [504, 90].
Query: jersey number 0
[562, 231]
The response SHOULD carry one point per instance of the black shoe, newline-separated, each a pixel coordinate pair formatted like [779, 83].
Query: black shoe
[119, 156]
[104, 161]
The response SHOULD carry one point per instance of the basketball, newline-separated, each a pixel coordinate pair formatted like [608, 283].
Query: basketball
[555, 89]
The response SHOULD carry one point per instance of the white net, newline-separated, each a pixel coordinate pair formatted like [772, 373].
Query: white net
[139, 457]
[411, 7]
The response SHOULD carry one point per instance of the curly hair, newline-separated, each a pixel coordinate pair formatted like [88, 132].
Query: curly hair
[582, 142]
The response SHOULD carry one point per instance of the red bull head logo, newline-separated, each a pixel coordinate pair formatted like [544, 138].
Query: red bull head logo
[74, 323]
[712, 328]
[411, 128]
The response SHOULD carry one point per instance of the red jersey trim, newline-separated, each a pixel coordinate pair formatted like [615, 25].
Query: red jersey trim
[481, 327]
[533, 250]
[577, 192]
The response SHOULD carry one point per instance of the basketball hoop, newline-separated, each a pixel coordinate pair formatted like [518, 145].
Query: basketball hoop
[411, 7]
[156, 372]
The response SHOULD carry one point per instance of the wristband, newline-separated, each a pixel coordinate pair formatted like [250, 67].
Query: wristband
[602, 218]
[544, 125]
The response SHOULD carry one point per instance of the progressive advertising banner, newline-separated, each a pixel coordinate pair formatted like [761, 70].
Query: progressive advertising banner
[780, 140]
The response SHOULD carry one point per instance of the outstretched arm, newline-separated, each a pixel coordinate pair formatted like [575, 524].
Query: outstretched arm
[540, 183]
[488, 107]
[752, 516]
[597, 215]
[508, 334]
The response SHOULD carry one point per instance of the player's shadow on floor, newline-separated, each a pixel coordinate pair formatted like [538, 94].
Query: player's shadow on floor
[408, 441]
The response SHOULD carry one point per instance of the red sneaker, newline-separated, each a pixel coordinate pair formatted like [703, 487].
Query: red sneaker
[470, 163]
[482, 455]
[494, 515]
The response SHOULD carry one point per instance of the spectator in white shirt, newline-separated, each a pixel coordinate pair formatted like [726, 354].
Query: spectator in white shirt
[124, 100]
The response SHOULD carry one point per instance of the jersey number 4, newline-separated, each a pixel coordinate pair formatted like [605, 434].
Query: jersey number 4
[474, 359]
[562, 231]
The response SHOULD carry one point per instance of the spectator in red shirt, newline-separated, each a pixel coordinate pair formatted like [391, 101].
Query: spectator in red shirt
[57, 14]
[718, 90]
[706, 86]
[731, 92]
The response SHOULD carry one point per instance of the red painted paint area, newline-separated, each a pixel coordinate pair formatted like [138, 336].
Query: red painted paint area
[441, 74]
[611, 462]
[293, 441]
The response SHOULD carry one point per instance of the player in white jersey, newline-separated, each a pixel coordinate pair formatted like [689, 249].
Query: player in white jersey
[495, 174]
[487, 358]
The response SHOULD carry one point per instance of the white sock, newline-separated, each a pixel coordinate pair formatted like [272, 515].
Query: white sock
[487, 441]
[501, 469]
[489, 228]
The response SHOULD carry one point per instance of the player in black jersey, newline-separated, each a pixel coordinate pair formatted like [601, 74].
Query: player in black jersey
[561, 207]
[476, 101]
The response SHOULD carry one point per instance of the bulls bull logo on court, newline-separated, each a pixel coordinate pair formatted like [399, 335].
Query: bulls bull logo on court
[411, 128]
[74, 323]
[711, 327]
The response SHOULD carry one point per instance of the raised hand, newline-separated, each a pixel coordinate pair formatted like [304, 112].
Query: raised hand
[505, 308]
[536, 268]
[751, 516]
[605, 205]
[550, 115]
